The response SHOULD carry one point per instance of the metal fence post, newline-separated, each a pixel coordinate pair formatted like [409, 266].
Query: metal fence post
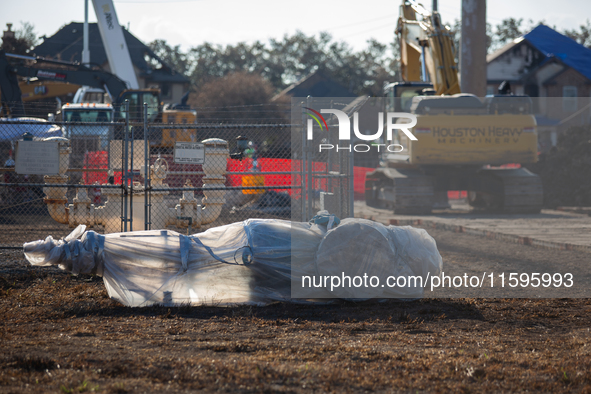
[351, 179]
[146, 168]
[130, 178]
[30, 217]
[303, 193]
[125, 166]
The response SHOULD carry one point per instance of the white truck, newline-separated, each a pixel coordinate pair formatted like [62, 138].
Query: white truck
[89, 127]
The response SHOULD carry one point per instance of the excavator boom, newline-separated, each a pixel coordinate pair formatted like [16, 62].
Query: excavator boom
[426, 45]
[459, 136]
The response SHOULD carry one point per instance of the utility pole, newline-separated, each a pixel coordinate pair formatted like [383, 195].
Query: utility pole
[85, 50]
[473, 47]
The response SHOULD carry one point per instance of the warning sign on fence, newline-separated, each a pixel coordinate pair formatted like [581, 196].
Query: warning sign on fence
[189, 153]
[37, 158]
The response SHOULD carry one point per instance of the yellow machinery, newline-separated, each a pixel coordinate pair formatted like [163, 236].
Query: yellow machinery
[183, 116]
[458, 136]
[39, 90]
[431, 40]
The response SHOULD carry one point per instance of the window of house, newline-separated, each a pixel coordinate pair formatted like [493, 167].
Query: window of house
[569, 98]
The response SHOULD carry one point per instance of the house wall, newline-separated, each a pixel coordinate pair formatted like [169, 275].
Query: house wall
[512, 64]
[545, 72]
[557, 105]
[178, 90]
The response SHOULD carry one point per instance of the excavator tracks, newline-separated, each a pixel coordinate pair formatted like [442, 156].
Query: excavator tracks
[412, 192]
[406, 191]
[510, 190]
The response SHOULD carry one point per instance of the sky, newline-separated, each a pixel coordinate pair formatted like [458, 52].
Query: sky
[189, 23]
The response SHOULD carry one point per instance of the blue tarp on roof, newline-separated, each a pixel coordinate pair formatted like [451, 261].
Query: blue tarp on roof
[553, 44]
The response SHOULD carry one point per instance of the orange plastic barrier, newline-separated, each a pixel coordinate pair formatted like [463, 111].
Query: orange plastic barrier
[98, 160]
[95, 160]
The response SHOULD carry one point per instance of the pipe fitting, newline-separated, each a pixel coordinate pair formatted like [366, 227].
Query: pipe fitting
[82, 211]
[55, 198]
[216, 159]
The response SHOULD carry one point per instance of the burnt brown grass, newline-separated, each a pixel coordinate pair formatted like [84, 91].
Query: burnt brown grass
[61, 333]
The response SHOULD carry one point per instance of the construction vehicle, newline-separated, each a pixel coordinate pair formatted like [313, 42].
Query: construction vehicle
[117, 90]
[459, 137]
[39, 90]
[65, 72]
[87, 94]
[86, 114]
[90, 129]
[178, 113]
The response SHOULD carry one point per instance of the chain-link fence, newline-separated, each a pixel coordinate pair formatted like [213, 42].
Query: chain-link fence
[129, 175]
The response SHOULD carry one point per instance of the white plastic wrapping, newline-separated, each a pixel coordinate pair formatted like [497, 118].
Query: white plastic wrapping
[251, 262]
[359, 247]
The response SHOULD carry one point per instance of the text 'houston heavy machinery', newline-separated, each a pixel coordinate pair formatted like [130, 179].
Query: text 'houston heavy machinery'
[461, 140]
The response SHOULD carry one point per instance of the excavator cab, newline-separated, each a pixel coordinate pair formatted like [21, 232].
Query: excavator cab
[400, 94]
[137, 98]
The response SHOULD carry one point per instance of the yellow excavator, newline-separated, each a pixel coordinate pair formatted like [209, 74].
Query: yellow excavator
[461, 140]
[39, 90]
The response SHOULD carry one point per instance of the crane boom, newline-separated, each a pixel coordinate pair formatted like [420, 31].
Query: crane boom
[114, 42]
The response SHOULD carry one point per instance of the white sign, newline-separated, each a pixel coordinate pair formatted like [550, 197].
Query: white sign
[37, 158]
[189, 153]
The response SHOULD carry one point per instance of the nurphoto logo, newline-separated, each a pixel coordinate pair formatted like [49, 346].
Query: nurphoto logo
[344, 126]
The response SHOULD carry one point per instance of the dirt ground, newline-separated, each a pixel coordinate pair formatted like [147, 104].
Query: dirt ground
[61, 333]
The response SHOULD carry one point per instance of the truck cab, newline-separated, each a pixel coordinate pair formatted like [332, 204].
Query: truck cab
[88, 113]
[89, 127]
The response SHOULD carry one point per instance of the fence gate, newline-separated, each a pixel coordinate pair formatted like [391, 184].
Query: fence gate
[324, 175]
[140, 174]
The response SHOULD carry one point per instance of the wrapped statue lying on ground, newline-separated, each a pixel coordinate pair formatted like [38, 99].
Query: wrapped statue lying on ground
[255, 262]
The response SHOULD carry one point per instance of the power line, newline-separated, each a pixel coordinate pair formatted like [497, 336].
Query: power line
[367, 31]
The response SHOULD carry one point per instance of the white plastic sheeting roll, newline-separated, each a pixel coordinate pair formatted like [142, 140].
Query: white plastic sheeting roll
[255, 262]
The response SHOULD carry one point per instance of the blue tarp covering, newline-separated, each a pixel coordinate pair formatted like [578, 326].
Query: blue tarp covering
[553, 44]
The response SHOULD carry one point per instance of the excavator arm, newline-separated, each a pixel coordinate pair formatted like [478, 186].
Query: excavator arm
[11, 95]
[429, 38]
[52, 70]
[32, 91]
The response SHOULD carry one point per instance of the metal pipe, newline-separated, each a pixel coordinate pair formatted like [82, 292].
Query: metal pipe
[423, 67]
[216, 153]
[57, 210]
[82, 211]
[85, 50]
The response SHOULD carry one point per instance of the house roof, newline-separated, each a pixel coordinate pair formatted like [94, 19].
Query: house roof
[317, 84]
[66, 45]
[553, 45]
[503, 49]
